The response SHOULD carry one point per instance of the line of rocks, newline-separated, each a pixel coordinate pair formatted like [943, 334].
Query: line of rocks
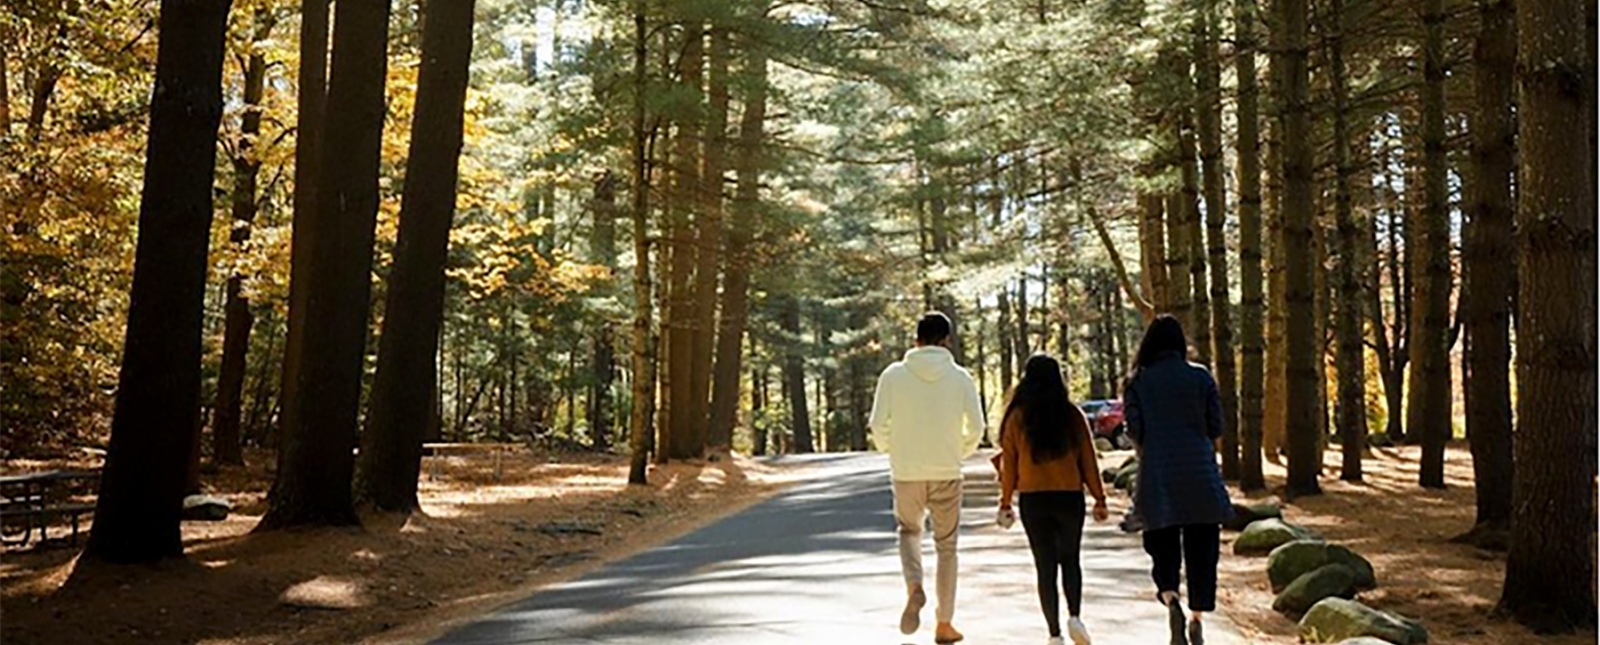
[1318, 582]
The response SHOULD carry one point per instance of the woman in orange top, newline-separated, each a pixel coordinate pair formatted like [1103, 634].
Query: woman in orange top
[1047, 455]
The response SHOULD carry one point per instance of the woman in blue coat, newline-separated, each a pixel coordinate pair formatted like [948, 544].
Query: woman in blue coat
[1174, 414]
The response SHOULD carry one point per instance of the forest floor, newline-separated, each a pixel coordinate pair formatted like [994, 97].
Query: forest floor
[1405, 531]
[481, 541]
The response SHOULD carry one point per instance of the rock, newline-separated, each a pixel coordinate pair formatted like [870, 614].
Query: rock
[206, 508]
[1130, 461]
[1294, 559]
[1330, 581]
[1262, 536]
[1336, 619]
[1244, 514]
[1364, 640]
[1102, 444]
[1125, 477]
[1108, 475]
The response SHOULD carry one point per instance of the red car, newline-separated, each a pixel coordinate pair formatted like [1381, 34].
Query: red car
[1105, 419]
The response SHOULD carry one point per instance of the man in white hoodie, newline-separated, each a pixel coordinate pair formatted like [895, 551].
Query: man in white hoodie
[927, 416]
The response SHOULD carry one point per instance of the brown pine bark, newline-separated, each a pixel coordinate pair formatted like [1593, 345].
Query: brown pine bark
[643, 359]
[311, 96]
[1428, 412]
[794, 377]
[1275, 408]
[402, 388]
[603, 359]
[1152, 251]
[157, 402]
[735, 303]
[237, 317]
[315, 462]
[1301, 352]
[1550, 570]
[1251, 339]
[1488, 251]
[1199, 325]
[709, 239]
[678, 321]
[1350, 358]
[1208, 68]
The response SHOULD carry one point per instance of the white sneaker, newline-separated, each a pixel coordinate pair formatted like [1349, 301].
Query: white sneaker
[1079, 633]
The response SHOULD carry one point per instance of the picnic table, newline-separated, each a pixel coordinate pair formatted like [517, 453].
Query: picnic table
[28, 503]
[498, 450]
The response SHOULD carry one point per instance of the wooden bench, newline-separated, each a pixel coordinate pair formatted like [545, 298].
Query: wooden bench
[28, 503]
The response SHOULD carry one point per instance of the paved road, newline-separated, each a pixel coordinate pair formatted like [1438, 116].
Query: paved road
[817, 565]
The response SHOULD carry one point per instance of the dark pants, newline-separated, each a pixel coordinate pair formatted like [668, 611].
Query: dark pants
[1053, 521]
[1197, 544]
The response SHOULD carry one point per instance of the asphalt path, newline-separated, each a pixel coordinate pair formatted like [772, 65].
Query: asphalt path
[817, 564]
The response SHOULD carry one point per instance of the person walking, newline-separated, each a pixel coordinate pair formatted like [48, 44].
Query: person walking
[1047, 457]
[926, 414]
[1174, 415]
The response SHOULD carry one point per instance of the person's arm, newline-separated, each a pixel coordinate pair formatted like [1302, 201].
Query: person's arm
[879, 421]
[1213, 409]
[1089, 462]
[975, 426]
[1008, 463]
[1132, 415]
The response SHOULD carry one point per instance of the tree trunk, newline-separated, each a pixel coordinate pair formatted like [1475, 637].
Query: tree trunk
[678, 324]
[736, 286]
[157, 401]
[644, 386]
[603, 362]
[1252, 371]
[794, 376]
[1209, 73]
[316, 463]
[311, 97]
[1550, 570]
[402, 389]
[758, 405]
[1301, 352]
[1194, 233]
[1004, 346]
[227, 412]
[1152, 252]
[1349, 351]
[709, 240]
[1274, 406]
[1489, 249]
[1428, 412]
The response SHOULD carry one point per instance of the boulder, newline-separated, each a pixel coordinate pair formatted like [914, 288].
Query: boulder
[1125, 477]
[1130, 461]
[1336, 619]
[1294, 559]
[1364, 640]
[1244, 514]
[1262, 536]
[1102, 444]
[206, 508]
[1108, 475]
[1330, 581]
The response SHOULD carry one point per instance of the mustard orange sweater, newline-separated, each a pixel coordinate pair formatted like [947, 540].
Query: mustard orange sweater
[1077, 470]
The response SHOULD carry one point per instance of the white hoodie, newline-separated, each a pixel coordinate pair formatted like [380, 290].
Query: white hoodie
[926, 415]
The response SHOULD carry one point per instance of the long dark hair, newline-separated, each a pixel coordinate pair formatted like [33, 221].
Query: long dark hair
[1164, 337]
[1054, 427]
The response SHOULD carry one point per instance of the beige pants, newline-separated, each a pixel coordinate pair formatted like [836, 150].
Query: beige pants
[941, 500]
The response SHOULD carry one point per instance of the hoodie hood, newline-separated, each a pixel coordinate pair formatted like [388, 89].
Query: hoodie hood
[930, 363]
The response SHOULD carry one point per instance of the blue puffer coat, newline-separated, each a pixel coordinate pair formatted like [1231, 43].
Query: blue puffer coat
[1173, 412]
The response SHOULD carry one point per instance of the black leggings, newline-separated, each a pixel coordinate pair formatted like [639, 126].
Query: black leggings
[1053, 521]
[1189, 549]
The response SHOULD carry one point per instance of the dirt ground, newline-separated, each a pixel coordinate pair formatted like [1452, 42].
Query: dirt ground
[1405, 531]
[480, 541]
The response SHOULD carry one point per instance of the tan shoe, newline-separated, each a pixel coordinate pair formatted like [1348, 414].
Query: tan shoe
[946, 634]
[911, 617]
